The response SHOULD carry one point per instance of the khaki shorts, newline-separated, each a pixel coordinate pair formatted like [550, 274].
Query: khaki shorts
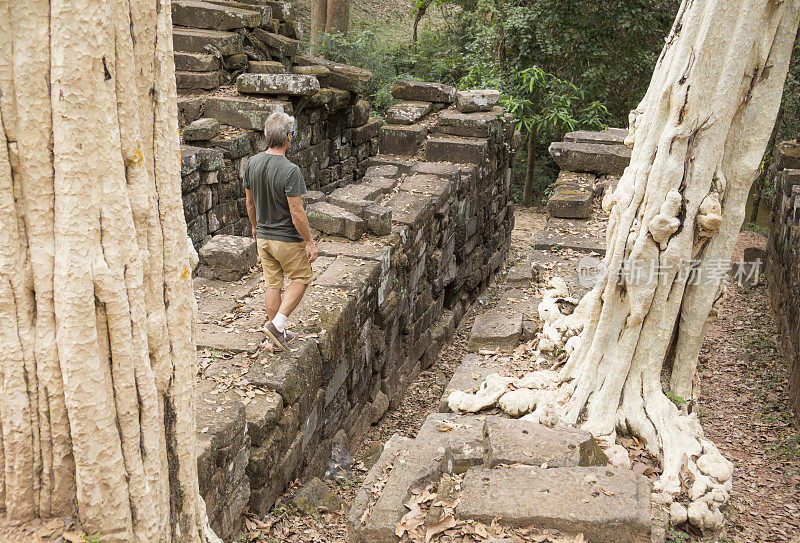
[284, 257]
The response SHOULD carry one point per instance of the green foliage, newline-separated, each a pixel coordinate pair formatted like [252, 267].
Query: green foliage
[675, 398]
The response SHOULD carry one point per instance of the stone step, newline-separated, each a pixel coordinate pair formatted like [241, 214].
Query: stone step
[610, 136]
[590, 157]
[342, 76]
[606, 505]
[470, 373]
[195, 62]
[457, 150]
[199, 14]
[266, 67]
[264, 10]
[401, 140]
[277, 84]
[279, 46]
[195, 40]
[552, 238]
[334, 220]
[573, 196]
[198, 80]
[471, 125]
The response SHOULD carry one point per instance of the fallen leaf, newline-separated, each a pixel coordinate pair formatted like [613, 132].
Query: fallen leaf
[444, 524]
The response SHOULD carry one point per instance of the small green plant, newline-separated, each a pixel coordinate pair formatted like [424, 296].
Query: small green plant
[678, 536]
[675, 398]
[753, 227]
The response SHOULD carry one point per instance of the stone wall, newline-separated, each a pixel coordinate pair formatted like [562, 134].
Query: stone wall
[334, 140]
[428, 236]
[783, 259]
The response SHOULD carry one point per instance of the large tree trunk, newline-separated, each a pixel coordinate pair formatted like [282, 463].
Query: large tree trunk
[698, 137]
[338, 17]
[96, 303]
[319, 18]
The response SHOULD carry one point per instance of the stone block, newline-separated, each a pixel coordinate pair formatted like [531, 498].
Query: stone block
[291, 374]
[590, 157]
[429, 185]
[378, 220]
[396, 448]
[313, 196]
[334, 220]
[201, 130]
[469, 101]
[195, 62]
[471, 125]
[189, 109]
[571, 202]
[604, 504]
[266, 67]
[457, 150]
[342, 76]
[236, 62]
[242, 112]
[358, 114]
[520, 274]
[407, 112]
[198, 80]
[196, 40]
[611, 136]
[263, 412]
[495, 330]
[280, 46]
[198, 14]
[421, 91]
[282, 11]
[277, 84]
[410, 209]
[366, 132]
[315, 497]
[513, 441]
[227, 257]
[331, 99]
[401, 140]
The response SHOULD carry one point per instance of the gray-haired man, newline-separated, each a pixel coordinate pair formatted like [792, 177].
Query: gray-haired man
[273, 186]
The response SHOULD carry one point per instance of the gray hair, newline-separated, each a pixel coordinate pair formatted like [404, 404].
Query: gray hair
[277, 127]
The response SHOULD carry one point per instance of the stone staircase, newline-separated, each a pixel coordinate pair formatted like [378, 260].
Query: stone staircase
[589, 162]
[215, 40]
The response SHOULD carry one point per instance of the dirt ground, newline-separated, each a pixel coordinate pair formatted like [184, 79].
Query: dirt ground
[743, 409]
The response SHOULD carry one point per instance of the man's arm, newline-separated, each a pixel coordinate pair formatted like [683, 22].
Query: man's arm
[251, 210]
[300, 221]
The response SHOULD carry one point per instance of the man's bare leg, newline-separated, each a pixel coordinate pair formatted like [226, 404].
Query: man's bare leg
[291, 297]
[272, 299]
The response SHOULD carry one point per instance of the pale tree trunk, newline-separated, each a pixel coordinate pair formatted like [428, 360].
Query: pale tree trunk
[319, 17]
[698, 138]
[96, 303]
[337, 16]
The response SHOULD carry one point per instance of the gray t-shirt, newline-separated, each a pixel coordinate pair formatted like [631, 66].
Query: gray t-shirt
[271, 178]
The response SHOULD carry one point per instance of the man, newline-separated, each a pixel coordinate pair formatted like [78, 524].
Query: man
[273, 186]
